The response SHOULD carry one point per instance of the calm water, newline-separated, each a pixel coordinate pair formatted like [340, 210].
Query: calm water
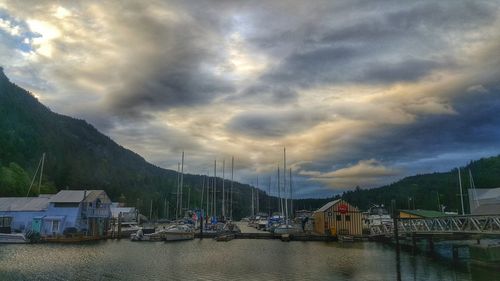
[234, 260]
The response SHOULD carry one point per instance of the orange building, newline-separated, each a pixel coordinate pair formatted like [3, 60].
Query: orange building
[338, 218]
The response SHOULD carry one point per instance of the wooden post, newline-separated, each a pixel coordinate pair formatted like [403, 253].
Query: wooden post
[431, 245]
[414, 243]
[455, 252]
[119, 235]
[201, 224]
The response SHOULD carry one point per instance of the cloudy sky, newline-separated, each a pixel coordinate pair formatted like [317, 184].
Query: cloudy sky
[360, 92]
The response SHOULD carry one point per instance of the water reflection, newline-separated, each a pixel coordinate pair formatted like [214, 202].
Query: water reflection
[234, 260]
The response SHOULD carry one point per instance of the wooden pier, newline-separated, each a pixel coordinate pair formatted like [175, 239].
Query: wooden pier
[268, 235]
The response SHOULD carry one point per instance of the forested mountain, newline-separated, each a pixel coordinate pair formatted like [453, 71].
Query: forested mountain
[79, 156]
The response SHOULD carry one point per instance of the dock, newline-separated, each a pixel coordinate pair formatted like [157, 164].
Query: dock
[252, 233]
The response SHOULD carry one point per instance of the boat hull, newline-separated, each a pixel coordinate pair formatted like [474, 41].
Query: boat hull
[178, 236]
[13, 239]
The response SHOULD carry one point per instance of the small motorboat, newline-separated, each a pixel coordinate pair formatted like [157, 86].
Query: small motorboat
[285, 229]
[146, 234]
[178, 232]
[13, 238]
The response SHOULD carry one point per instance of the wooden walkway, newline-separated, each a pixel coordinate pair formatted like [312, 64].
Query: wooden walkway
[268, 235]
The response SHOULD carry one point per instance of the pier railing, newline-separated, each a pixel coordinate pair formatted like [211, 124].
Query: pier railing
[467, 224]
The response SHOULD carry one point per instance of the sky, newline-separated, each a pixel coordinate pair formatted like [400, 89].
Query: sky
[361, 93]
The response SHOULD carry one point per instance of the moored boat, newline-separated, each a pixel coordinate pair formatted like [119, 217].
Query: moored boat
[13, 238]
[178, 232]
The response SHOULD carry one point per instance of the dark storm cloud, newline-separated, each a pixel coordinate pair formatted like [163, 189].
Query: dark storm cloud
[279, 123]
[170, 60]
[404, 71]
[163, 90]
[472, 129]
[351, 51]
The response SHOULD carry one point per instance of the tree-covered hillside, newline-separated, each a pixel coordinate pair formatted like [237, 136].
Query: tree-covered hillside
[78, 156]
[424, 191]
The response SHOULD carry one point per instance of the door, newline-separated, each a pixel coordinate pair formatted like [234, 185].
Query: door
[36, 225]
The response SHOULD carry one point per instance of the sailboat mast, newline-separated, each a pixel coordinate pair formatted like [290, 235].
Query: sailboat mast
[291, 195]
[257, 196]
[165, 208]
[279, 194]
[202, 191]
[231, 195]
[215, 188]
[284, 186]
[461, 193]
[223, 189]
[41, 173]
[151, 211]
[208, 194]
[252, 204]
[182, 183]
[178, 190]
[34, 176]
[269, 198]
[189, 198]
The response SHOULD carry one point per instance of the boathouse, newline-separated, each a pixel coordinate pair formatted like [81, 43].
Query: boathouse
[69, 211]
[338, 218]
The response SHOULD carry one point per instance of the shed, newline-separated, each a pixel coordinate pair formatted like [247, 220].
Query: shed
[420, 214]
[338, 218]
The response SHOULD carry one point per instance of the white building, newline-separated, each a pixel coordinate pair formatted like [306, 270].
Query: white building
[69, 211]
[484, 201]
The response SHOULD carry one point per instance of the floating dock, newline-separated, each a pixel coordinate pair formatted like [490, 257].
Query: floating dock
[268, 235]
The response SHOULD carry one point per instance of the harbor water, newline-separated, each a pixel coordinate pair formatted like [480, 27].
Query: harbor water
[235, 260]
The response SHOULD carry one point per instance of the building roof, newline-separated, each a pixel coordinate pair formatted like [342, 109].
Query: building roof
[328, 205]
[77, 196]
[34, 204]
[424, 213]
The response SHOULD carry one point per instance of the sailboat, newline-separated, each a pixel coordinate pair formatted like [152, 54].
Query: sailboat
[286, 227]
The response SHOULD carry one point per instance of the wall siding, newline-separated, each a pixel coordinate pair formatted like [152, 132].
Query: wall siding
[327, 223]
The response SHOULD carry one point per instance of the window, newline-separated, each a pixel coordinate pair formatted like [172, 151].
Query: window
[339, 217]
[347, 218]
[5, 221]
[55, 226]
[329, 214]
